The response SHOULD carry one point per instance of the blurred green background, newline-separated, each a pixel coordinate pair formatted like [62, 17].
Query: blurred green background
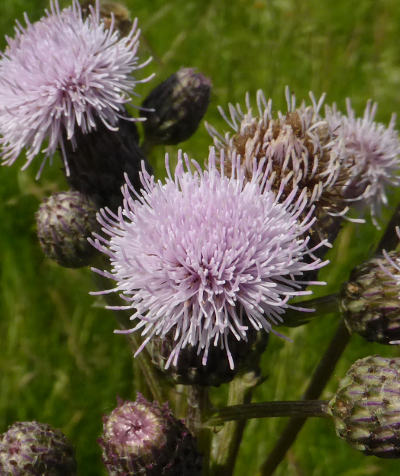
[60, 362]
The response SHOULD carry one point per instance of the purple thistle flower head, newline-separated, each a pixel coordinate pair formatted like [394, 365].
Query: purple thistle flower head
[64, 72]
[370, 152]
[206, 255]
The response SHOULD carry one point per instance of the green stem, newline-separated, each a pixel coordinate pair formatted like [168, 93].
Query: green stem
[308, 408]
[152, 377]
[229, 438]
[318, 382]
[390, 240]
[323, 306]
[198, 404]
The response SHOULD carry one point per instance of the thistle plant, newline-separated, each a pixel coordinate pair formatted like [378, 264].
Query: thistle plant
[207, 261]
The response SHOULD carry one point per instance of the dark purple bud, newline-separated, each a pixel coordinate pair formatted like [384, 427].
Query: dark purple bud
[174, 109]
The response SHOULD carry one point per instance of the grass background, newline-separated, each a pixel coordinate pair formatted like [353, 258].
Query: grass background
[59, 360]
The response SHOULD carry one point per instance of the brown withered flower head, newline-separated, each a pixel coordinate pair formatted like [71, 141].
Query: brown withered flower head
[296, 145]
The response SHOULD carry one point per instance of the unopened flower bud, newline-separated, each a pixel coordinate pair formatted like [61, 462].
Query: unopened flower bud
[101, 159]
[366, 407]
[174, 109]
[64, 222]
[190, 368]
[32, 448]
[143, 438]
[370, 301]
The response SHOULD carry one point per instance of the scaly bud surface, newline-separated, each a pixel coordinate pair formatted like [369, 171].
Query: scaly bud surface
[366, 407]
[370, 301]
[32, 448]
[143, 438]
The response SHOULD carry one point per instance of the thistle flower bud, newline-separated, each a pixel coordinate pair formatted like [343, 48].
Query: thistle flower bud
[32, 448]
[370, 301]
[64, 222]
[100, 159]
[190, 370]
[143, 438]
[366, 407]
[175, 107]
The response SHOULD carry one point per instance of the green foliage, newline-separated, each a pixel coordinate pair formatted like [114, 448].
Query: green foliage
[60, 362]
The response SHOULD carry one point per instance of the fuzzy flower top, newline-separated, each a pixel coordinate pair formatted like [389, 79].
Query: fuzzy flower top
[61, 73]
[205, 254]
[370, 153]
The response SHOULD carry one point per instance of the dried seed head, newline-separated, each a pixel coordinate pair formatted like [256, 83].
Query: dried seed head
[296, 146]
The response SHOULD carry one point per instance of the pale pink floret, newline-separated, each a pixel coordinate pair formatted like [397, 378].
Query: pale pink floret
[62, 73]
[370, 151]
[205, 255]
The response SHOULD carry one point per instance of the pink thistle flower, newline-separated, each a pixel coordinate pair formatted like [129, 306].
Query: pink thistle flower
[206, 255]
[62, 73]
[370, 153]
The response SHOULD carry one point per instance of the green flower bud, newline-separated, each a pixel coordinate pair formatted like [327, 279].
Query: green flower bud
[32, 448]
[370, 301]
[366, 407]
[191, 371]
[174, 109]
[64, 222]
[143, 438]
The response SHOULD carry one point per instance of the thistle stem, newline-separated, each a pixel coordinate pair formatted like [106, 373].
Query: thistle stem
[308, 408]
[228, 440]
[318, 382]
[198, 406]
[323, 306]
[152, 377]
[390, 240]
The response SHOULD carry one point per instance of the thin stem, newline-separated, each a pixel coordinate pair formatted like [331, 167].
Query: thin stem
[152, 377]
[198, 406]
[318, 382]
[308, 408]
[228, 440]
[390, 240]
[322, 306]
